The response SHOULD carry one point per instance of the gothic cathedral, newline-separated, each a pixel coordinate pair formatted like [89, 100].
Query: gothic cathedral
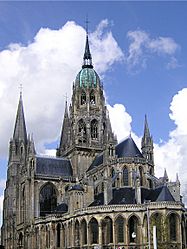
[96, 193]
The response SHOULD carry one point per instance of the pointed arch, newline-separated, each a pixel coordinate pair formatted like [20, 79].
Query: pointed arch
[84, 232]
[133, 229]
[92, 98]
[156, 220]
[107, 230]
[83, 97]
[77, 233]
[47, 199]
[94, 129]
[93, 231]
[119, 225]
[173, 226]
[125, 176]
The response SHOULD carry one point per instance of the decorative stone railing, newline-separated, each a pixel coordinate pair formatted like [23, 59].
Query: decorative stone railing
[112, 208]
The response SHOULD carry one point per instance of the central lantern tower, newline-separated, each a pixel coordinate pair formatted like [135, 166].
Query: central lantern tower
[86, 129]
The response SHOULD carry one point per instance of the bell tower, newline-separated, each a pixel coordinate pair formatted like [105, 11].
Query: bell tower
[89, 128]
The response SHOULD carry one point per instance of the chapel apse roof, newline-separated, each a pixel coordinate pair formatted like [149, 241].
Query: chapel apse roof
[126, 195]
[127, 148]
[50, 166]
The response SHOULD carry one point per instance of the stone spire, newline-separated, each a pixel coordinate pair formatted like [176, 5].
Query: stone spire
[146, 131]
[166, 179]
[147, 143]
[20, 132]
[87, 58]
[64, 141]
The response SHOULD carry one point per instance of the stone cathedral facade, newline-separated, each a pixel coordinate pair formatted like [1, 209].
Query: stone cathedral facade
[95, 193]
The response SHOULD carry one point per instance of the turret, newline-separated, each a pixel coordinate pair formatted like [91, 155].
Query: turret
[147, 144]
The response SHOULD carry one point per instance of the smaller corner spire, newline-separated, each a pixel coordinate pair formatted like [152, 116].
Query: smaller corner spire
[146, 128]
[20, 133]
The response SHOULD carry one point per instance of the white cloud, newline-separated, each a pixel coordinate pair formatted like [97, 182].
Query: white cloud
[142, 46]
[173, 63]
[120, 120]
[47, 68]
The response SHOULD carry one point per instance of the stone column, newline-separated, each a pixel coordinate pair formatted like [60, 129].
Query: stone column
[88, 235]
[114, 233]
[100, 234]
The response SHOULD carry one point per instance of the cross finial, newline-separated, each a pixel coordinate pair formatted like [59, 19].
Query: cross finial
[66, 97]
[20, 89]
[87, 22]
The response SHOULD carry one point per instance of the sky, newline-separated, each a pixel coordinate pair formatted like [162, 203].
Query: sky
[138, 49]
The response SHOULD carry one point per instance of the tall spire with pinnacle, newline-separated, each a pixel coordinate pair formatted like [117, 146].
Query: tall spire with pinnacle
[147, 143]
[87, 59]
[20, 132]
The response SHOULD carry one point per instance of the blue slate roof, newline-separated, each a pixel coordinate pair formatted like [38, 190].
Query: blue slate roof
[126, 148]
[127, 196]
[61, 208]
[50, 166]
[77, 187]
[159, 194]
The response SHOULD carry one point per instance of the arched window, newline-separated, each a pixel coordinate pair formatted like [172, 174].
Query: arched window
[84, 232]
[107, 231]
[83, 98]
[92, 98]
[94, 232]
[82, 131]
[77, 234]
[156, 220]
[48, 199]
[141, 176]
[125, 176]
[173, 227]
[119, 225]
[132, 225]
[58, 235]
[94, 129]
[20, 240]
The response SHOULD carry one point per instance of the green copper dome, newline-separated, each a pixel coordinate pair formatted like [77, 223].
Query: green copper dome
[87, 77]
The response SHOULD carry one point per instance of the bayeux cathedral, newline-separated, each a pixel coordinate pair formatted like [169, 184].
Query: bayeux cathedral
[96, 193]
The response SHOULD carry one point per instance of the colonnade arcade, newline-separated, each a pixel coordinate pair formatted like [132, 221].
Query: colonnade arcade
[107, 232]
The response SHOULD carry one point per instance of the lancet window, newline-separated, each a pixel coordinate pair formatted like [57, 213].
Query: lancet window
[125, 176]
[173, 227]
[92, 98]
[94, 129]
[119, 224]
[83, 98]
